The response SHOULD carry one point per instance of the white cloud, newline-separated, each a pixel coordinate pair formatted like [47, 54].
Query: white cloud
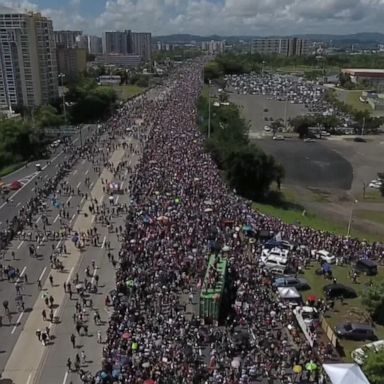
[225, 17]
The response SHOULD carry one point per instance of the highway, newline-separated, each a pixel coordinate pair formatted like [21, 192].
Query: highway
[47, 364]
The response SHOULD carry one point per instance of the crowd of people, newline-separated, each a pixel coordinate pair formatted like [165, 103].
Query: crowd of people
[168, 239]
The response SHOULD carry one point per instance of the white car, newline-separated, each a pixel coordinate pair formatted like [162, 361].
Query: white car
[324, 255]
[277, 252]
[267, 128]
[360, 354]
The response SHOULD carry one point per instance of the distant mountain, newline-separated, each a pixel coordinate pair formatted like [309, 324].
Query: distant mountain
[363, 38]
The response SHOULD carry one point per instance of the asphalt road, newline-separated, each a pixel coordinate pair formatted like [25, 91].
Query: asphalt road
[53, 368]
[28, 176]
[311, 164]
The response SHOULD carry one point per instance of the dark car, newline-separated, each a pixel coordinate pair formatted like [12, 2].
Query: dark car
[359, 140]
[354, 331]
[291, 281]
[332, 291]
[368, 267]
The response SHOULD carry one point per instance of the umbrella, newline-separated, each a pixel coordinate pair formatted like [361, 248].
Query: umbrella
[311, 366]
[312, 298]
[135, 346]
[208, 210]
[125, 335]
[149, 381]
[116, 373]
[103, 375]
[235, 363]
[226, 248]
[145, 365]
[297, 369]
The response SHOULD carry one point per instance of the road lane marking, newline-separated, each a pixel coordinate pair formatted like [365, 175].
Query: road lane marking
[59, 154]
[101, 199]
[86, 172]
[69, 276]
[104, 240]
[94, 274]
[20, 245]
[73, 216]
[17, 323]
[82, 199]
[42, 273]
[21, 274]
[75, 172]
[56, 218]
[18, 204]
[78, 184]
[117, 199]
[58, 244]
[93, 219]
[29, 378]
[39, 218]
[65, 377]
[68, 200]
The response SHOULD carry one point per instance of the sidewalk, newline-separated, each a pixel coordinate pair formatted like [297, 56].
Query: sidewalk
[28, 355]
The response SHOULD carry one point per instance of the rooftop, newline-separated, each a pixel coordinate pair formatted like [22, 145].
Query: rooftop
[364, 70]
[7, 10]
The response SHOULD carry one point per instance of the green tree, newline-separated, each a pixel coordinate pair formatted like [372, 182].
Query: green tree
[373, 300]
[212, 71]
[47, 116]
[373, 366]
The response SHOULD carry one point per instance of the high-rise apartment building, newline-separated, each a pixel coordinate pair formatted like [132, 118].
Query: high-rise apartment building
[285, 47]
[127, 42]
[142, 45]
[71, 61]
[67, 38]
[117, 42]
[28, 67]
[95, 45]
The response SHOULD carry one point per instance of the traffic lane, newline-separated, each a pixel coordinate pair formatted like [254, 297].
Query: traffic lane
[54, 365]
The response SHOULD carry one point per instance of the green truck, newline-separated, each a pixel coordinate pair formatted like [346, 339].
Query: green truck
[211, 295]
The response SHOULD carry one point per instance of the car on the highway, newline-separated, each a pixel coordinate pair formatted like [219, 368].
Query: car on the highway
[324, 255]
[278, 137]
[354, 331]
[291, 281]
[332, 291]
[15, 185]
[267, 128]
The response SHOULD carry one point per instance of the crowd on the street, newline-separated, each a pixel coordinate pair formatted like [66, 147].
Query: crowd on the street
[155, 335]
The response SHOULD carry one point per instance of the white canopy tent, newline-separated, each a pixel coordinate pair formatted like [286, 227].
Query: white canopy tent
[288, 293]
[345, 374]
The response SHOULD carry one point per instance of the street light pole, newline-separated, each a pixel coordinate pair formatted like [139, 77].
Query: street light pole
[61, 76]
[209, 109]
[350, 218]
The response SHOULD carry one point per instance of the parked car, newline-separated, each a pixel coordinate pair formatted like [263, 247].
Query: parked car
[366, 266]
[355, 331]
[291, 281]
[332, 291]
[359, 355]
[324, 255]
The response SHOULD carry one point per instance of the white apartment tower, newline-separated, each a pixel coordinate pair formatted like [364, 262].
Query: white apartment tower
[28, 68]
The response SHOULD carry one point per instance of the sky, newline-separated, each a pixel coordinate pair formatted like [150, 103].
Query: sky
[205, 17]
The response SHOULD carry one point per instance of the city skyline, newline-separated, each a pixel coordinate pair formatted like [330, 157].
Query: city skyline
[206, 17]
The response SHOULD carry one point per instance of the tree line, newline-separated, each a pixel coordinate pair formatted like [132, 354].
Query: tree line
[246, 167]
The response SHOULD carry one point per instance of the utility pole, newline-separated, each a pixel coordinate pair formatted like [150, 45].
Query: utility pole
[209, 109]
[61, 77]
[285, 112]
[350, 218]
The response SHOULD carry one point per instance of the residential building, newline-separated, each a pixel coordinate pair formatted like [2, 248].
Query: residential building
[71, 61]
[142, 45]
[213, 46]
[286, 46]
[28, 67]
[125, 61]
[127, 42]
[94, 44]
[118, 42]
[68, 39]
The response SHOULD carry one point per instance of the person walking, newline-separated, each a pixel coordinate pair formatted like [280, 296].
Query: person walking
[73, 340]
[99, 339]
[51, 280]
[69, 365]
